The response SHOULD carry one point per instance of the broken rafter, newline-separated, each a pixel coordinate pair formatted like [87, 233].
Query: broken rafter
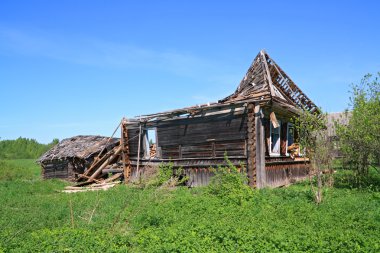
[197, 109]
[264, 75]
[292, 91]
[268, 75]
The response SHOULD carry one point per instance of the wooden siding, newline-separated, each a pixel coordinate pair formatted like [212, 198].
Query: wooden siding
[282, 171]
[133, 141]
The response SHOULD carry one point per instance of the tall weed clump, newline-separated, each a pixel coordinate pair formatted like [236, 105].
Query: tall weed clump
[230, 184]
[166, 175]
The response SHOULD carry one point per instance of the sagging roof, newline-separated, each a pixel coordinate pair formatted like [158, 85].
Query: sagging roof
[81, 146]
[264, 81]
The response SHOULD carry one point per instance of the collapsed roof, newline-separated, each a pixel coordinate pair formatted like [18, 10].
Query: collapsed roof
[264, 81]
[81, 146]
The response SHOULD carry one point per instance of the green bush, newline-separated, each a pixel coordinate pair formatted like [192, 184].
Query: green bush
[166, 175]
[360, 139]
[230, 184]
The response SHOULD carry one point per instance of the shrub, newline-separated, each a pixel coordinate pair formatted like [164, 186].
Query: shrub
[230, 184]
[360, 139]
[167, 175]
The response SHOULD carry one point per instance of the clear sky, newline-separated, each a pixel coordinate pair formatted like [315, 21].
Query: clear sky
[77, 67]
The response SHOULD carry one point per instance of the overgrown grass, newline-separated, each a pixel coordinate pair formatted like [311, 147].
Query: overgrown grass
[20, 169]
[36, 217]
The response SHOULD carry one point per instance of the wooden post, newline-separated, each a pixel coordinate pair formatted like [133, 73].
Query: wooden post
[251, 157]
[138, 153]
[260, 148]
[125, 151]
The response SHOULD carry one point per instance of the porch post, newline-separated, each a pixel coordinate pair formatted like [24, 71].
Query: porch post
[260, 148]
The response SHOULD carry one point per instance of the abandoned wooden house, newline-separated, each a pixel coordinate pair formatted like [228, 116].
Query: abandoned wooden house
[252, 127]
[71, 156]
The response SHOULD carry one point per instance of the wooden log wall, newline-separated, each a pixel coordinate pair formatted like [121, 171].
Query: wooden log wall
[55, 169]
[66, 169]
[206, 137]
[251, 146]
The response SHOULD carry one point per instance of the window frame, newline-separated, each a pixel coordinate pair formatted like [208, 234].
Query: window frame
[271, 153]
[289, 125]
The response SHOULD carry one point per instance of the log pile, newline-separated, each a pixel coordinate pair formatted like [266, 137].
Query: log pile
[108, 164]
[152, 150]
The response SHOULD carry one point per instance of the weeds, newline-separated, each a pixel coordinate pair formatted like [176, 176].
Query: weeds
[230, 184]
[35, 217]
[165, 176]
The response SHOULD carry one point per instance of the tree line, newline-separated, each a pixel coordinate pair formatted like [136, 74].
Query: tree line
[24, 148]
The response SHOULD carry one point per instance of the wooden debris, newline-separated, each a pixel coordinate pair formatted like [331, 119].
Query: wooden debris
[113, 178]
[152, 150]
[125, 151]
[94, 187]
[115, 161]
[273, 119]
[294, 150]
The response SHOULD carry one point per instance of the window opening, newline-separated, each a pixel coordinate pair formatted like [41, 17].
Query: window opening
[290, 137]
[151, 142]
[275, 138]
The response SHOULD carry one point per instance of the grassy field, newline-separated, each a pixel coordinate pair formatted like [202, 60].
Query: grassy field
[36, 217]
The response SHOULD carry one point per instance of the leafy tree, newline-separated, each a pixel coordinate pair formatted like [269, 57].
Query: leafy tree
[316, 145]
[360, 139]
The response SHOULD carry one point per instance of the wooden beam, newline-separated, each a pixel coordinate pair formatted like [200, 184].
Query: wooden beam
[108, 161]
[273, 119]
[260, 148]
[270, 83]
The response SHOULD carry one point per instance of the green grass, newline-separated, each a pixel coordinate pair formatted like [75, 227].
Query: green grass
[20, 169]
[35, 217]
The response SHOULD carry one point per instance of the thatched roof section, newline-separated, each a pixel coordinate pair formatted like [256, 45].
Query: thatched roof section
[81, 146]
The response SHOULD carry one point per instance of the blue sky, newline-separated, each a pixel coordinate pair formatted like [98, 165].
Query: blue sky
[77, 67]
